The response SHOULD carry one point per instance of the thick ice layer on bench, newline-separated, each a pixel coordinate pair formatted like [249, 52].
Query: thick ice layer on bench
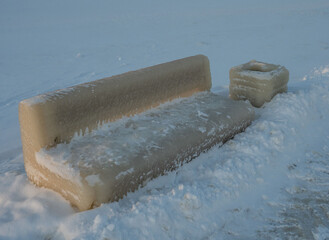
[257, 82]
[120, 156]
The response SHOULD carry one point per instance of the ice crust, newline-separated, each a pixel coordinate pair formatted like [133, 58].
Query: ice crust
[257, 82]
[123, 155]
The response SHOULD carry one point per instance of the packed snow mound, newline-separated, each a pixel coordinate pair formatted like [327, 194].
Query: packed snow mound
[121, 156]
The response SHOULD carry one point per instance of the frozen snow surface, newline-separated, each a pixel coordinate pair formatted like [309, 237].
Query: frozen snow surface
[270, 182]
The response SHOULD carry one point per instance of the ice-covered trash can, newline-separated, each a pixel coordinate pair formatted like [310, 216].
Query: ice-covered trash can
[257, 82]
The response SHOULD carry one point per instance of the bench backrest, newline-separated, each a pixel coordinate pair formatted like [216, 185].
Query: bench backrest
[55, 117]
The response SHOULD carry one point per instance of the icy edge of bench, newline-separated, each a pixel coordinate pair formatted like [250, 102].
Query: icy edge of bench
[122, 156]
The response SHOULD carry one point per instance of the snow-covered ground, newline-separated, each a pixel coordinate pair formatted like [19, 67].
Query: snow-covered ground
[270, 182]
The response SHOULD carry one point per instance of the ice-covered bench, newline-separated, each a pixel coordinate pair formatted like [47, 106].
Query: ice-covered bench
[94, 142]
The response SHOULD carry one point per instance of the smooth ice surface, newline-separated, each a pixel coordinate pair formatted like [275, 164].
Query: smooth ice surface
[121, 156]
[257, 82]
[271, 179]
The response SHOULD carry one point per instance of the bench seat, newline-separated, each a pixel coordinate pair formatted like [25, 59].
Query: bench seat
[119, 157]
